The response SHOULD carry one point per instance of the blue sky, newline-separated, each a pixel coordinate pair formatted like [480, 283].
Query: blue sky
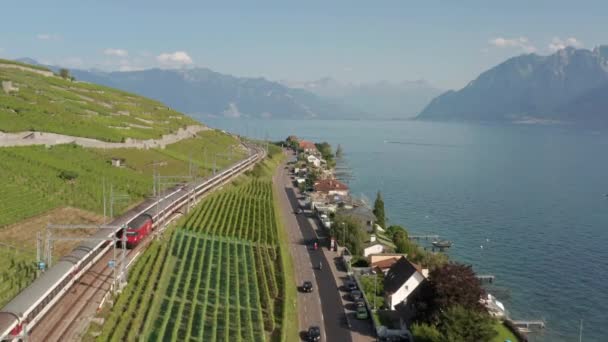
[445, 42]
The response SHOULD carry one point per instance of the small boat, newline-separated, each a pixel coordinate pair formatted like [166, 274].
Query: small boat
[442, 243]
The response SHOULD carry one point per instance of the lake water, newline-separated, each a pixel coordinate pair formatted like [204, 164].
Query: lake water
[525, 203]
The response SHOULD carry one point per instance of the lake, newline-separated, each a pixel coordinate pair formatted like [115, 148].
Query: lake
[526, 203]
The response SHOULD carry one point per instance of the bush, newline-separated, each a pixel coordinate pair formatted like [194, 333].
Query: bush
[68, 175]
[426, 333]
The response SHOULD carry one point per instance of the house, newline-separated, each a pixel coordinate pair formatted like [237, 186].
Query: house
[331, 187]
[308, 147]
[383, 261]
[363, 214]
[316, 162]
[402, 279]
[372, 248]
[118, 162]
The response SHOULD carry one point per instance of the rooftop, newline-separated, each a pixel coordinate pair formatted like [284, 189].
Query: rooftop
[398, 274]
[327, 185]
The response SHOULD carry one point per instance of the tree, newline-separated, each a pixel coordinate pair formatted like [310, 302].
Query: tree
[426, 333]
[458, 324]
[395, 229]
[379, 210]
[64, 73]
[349, 232]
[339, 152]
[455, 284]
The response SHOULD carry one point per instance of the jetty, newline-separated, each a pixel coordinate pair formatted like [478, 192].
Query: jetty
[424, 237]
[486, 278]
[526, 325]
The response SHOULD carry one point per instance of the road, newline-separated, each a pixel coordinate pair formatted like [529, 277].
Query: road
[323, 307]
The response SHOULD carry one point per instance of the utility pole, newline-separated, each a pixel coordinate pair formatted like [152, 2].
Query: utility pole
[103, 184]
[38, 252]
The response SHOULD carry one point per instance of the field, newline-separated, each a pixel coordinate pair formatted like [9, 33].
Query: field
[53, 104]
[32, 183]
[220, 276]
[16, 272]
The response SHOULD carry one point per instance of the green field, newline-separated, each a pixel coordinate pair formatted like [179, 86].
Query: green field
[53, 104]
[219, 277]
[16, 272]
[31, 182]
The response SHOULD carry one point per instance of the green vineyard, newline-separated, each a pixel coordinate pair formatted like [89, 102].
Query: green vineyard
[218, 277]
[16, 272]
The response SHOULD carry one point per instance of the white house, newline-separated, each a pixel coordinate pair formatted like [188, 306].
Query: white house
[401, 281]
[316, 162]
[373, 248]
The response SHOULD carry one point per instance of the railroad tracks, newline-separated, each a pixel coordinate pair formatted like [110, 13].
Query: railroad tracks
[71, 315]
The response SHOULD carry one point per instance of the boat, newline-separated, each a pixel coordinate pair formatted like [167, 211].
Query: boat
[442, 243]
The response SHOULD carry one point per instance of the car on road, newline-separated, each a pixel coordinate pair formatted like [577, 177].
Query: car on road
[299, 211]
[350, 285]
[313, 334]
[362, 313]
[356, 295]
[307, 286]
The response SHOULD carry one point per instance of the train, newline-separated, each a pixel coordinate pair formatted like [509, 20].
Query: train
[137, 230]
[29, 307]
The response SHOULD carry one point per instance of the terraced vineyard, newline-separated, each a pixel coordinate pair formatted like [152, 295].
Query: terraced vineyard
[219, 277]
[17, 270]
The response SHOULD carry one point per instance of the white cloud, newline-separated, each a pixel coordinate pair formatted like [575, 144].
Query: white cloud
[47, 36]
[174, 59]
[522, 43]
[558, 44]
[116, 52]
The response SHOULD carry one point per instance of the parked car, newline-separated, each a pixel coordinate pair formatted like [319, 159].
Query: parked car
[360, 302]
[362, 313]
[313, 334]
[355, 295]
[350, 285]
[299, 211]
[307, 286]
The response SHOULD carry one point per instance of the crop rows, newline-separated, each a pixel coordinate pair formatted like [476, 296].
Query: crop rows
[213, 292]
[218, 278]
[244, 212]
[16, 272]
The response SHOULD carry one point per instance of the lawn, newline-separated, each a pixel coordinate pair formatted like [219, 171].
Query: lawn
[503, 334]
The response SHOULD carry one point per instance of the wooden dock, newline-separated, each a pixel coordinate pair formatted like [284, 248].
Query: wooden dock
[424, 237]
[529, 324]
[486, 278]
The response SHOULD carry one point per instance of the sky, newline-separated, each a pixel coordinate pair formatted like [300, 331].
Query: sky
[447, 43]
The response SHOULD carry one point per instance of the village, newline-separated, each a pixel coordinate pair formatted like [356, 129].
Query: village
[409, 290]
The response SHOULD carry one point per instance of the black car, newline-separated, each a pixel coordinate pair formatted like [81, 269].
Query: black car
[314, 334]
[355, 295]
[350, 285]
[307, 286]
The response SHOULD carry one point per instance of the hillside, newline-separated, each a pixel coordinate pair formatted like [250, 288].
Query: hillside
[64, 183]
[379, 100]
[564, 86]
[33, 99]
[205, 92]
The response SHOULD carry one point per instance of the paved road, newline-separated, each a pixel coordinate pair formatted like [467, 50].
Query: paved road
[332, 317]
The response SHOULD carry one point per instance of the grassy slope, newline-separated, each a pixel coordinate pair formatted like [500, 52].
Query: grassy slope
[285, 326]
[53, 104]
[503, 334]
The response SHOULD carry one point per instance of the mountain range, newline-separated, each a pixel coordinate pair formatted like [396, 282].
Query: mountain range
[570, 85]
[383, 100]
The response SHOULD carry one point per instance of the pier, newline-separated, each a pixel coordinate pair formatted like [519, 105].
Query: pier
[529, 324]
[486, 278]
[424, 237]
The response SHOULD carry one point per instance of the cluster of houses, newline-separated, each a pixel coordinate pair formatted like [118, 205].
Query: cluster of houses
[328, 195]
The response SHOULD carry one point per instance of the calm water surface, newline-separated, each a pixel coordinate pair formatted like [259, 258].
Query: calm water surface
[524, 203]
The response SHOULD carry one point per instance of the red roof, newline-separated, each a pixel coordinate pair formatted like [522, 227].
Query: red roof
[307, 145]
[327, 185]
[386, 263]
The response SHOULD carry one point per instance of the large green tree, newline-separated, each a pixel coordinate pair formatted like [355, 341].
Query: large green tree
[458, 324]
[350, 232]
[379, 210]
[426, 333]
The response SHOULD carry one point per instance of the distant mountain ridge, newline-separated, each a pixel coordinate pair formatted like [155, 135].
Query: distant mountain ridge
[570, 85]
[382, 100]
[208, 93]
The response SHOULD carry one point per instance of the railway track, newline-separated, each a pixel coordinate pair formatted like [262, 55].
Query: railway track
[70, 316]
